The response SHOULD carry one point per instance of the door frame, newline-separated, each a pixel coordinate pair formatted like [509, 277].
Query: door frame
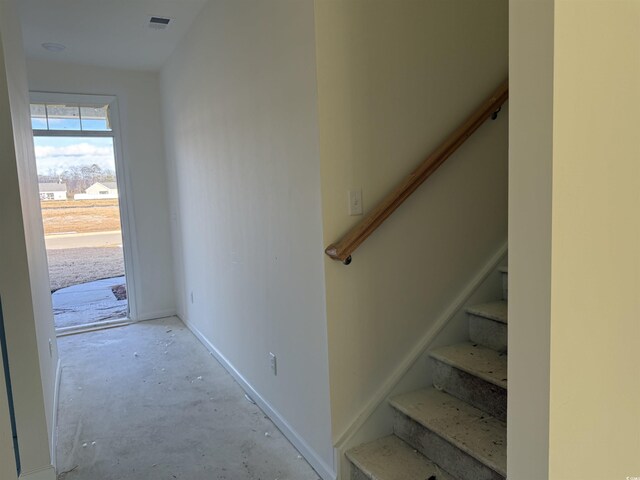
[127, 217]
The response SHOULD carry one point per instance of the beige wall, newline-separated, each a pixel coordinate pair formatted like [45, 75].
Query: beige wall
[595, 294]
[394, 79]
[239, 102]
[574, 241]
[24, 282]
[143, 153]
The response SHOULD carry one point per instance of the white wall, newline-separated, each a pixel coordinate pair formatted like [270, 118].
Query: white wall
[239, 106]
[143, 151]
[24, 281]
[530, 183]
[395, 77]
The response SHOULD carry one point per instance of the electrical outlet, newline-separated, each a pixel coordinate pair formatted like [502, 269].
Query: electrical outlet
[355, 202]
[274, 363]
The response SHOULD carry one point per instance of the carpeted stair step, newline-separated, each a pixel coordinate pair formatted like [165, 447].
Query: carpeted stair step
[474, 374]
[466, 442]
[389, 458]
[488, 325]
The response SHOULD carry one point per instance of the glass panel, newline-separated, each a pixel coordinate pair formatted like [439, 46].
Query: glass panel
[95, 118]
[38, 116]
[63, 117]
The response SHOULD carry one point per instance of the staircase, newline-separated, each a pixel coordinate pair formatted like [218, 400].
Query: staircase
[455, 430]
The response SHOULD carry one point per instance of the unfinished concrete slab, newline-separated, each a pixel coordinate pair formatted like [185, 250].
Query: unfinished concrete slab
[147, 401]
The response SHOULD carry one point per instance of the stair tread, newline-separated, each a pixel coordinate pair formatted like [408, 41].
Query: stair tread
[482, 362]
[389, 458]
[471, 430]
[493, 310]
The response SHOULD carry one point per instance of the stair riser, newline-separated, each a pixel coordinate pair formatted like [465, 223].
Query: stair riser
[488, 332]
[356, 473]
[450, 458]
[477, 392]
[505, 286]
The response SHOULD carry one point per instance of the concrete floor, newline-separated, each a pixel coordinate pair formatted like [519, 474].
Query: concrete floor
[147, 401]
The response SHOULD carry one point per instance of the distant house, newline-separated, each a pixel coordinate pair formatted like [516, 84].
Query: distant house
[53, 191]
[99, 190]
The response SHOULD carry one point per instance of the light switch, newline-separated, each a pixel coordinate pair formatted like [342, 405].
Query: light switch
[355, 202]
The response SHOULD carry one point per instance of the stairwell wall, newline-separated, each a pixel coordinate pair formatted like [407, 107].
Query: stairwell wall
[394, 78]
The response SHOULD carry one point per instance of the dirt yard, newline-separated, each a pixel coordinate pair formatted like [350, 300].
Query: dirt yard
[80, 265]
[71, 266]
[80, 216]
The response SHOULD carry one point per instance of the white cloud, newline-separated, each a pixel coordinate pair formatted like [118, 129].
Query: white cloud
[62, 157]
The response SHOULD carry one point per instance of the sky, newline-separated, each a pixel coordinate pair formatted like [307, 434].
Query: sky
[60, 153]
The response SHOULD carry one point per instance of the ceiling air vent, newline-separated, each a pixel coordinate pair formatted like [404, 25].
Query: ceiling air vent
[159, 23]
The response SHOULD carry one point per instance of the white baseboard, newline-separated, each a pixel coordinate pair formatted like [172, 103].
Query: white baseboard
[46, 473]
[54, 422]
[319, 465]
[120, 322]
[156, 315]
[92, 327]
[413, 355]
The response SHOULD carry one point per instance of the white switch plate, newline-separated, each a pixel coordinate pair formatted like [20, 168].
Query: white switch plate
[355, 202]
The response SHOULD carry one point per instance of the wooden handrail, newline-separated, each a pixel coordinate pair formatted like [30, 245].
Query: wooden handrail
[344, 248]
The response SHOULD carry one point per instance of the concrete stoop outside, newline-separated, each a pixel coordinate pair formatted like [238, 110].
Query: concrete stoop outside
[89, 303]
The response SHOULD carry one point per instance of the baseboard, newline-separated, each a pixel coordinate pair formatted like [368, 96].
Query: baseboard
[414, 354]
[54, 422]
[92, 327]
[121, 322]
[156, 315]
[46, 473]
[319, 465]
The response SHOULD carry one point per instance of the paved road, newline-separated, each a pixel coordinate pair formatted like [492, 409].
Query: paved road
[81, 240]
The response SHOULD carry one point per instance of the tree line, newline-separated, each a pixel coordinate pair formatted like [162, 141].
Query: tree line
[78, 178]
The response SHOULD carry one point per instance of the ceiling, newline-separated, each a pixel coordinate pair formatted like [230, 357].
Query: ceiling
[109, 33]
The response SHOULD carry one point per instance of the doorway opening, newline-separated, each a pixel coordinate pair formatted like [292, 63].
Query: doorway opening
[78, 177]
